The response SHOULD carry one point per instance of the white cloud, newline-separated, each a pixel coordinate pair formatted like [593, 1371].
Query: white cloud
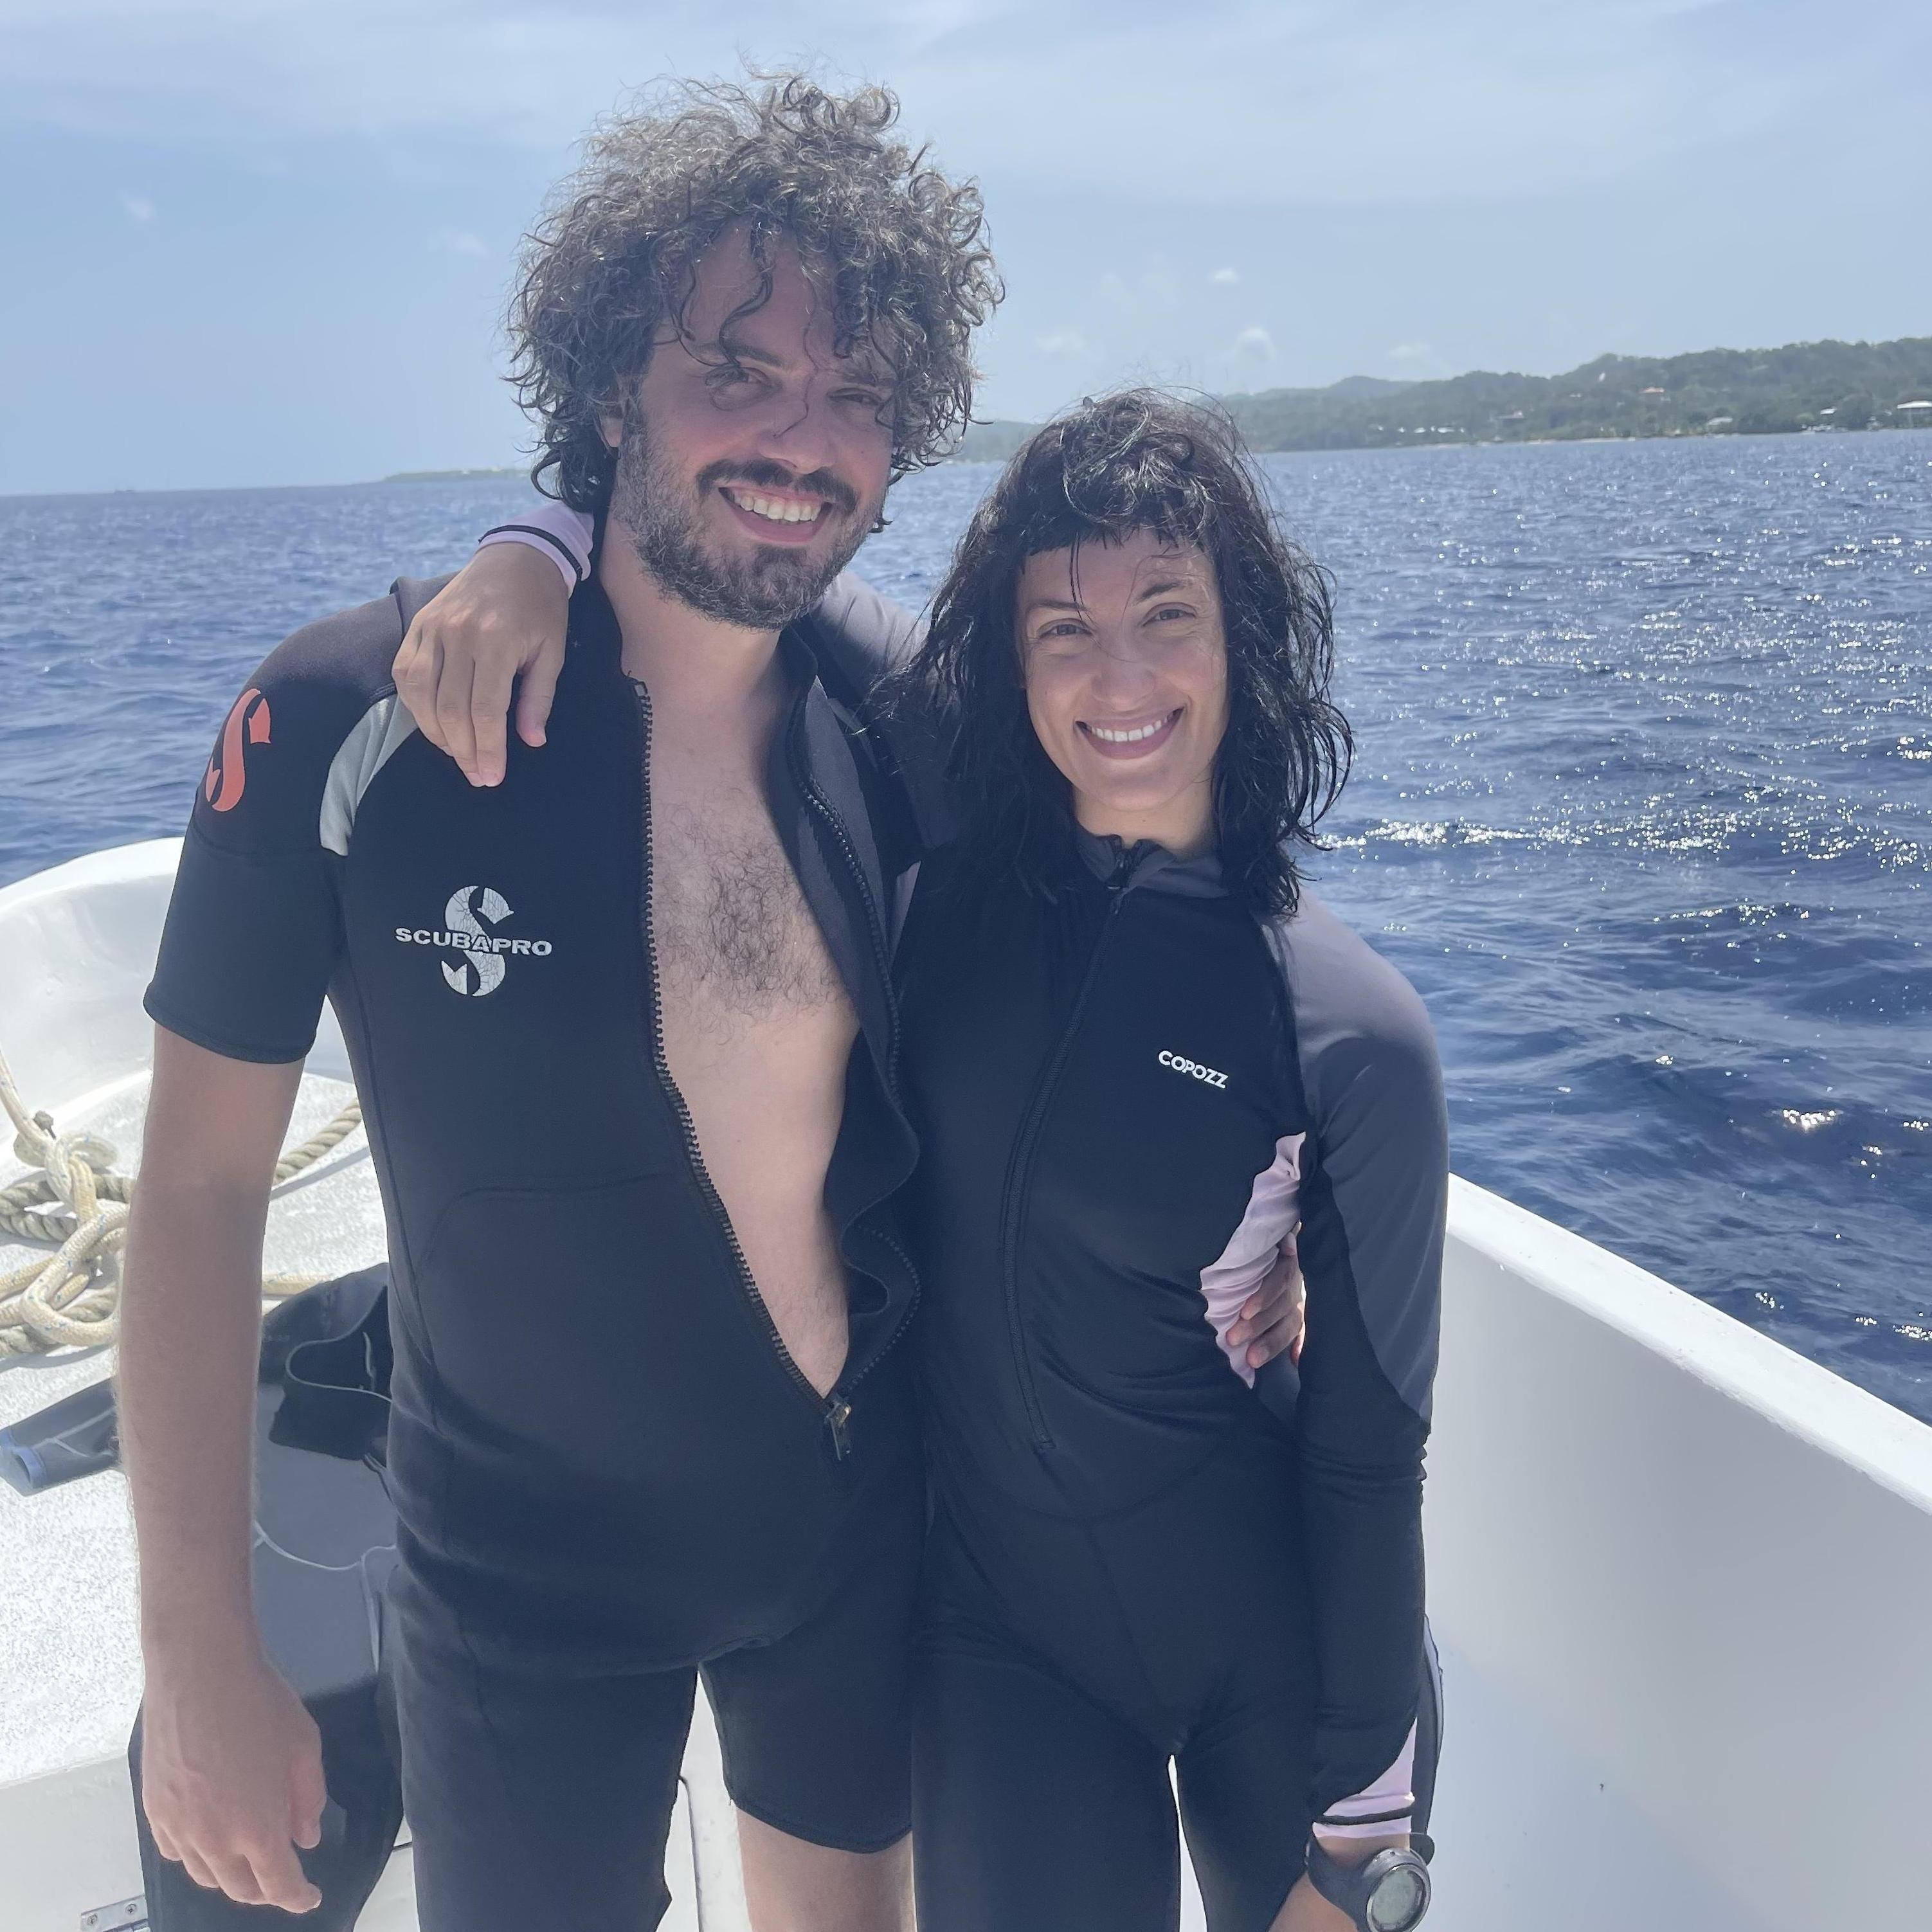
[1061, 342]
[458, 242]
[139, 207]
[1411, 352]
[1255, 345]
[1225, 277]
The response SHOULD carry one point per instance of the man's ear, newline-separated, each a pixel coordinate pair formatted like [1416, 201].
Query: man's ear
[610, 425]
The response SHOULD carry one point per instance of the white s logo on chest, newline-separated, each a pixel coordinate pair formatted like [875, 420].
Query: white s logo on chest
[478, 968]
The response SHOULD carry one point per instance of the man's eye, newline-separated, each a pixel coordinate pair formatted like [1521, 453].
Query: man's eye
[729, 377]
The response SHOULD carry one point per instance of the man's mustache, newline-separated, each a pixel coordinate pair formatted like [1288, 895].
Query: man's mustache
[837, 492]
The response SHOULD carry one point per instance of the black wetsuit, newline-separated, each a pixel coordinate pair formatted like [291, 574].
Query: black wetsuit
[1120, 1091]
[606, 1470]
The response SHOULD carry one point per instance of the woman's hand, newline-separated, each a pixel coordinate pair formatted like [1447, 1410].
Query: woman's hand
[503, 616]
[1305, 1910]
[1270, 1321]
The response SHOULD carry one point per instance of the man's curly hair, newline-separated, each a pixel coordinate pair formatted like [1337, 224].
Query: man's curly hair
[611, 260]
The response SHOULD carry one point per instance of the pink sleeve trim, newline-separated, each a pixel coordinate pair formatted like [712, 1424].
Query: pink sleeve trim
[561, 534]
[1272, 1217]
[1393, 1791]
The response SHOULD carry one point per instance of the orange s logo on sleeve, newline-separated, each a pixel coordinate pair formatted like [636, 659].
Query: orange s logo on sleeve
[228, 770]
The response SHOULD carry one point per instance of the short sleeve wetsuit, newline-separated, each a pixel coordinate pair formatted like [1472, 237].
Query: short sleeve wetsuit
[1126, 1093]
[607, 1471]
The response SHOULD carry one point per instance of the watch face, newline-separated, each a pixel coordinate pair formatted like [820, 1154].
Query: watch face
[1400, 1899]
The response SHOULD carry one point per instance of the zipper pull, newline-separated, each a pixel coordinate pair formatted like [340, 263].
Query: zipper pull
[837, 1418]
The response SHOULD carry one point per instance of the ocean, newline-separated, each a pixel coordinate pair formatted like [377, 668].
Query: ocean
[1642, 803]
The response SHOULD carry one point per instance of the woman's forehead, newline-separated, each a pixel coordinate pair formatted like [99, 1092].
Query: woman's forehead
[1143, 563]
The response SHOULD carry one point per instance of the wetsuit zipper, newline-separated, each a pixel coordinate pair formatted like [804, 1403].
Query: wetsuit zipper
[882, 960]
[835, 1413]
[1019, 1167]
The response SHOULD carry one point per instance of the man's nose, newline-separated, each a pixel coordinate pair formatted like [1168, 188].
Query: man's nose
[797, 428]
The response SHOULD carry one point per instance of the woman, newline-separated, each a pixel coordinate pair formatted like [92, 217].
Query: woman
[1140, 1054]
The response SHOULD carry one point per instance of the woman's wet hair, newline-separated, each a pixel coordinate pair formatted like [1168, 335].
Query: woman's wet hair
[1139, 461]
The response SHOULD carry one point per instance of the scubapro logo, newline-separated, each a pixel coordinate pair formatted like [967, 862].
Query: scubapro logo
[1206, 1074]
[479, 969]
[228, 770]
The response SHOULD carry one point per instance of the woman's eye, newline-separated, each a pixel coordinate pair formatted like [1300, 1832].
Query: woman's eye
[1168, 610]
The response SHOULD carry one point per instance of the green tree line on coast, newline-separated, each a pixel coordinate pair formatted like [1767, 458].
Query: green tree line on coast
[1803, 386]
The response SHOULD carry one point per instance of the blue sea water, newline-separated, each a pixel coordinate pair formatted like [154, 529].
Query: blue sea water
[1642, 802]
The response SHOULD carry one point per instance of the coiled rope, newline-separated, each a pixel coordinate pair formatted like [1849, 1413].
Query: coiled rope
[71, 1200]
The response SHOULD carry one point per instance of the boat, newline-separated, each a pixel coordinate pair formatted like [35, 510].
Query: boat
[1681, 1577]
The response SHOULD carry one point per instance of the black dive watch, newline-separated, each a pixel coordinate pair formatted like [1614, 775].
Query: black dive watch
[1389, 1893]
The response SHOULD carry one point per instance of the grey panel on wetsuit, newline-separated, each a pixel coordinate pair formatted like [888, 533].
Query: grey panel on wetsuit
[381, 732]
[1369, 1068]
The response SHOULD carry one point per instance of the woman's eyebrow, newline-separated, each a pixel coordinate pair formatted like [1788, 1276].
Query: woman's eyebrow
[1165, 588]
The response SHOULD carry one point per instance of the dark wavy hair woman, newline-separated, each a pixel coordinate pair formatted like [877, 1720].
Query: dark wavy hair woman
[1141, 1053]
[1139, 462]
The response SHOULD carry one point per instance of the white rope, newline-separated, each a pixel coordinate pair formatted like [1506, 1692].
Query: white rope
[72, 1201]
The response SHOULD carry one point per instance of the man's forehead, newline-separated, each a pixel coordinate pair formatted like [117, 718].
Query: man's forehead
[799, 315]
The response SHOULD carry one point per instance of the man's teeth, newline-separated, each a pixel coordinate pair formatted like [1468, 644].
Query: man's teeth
[774, 508]
[1134, 736]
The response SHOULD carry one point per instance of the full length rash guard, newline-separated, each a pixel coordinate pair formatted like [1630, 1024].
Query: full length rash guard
[598, 1445]
[1126, 1093]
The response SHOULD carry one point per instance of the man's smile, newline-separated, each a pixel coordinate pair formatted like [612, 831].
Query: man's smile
[774, 516]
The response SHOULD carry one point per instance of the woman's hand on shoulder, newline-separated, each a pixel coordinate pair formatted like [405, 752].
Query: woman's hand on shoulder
[502, 617]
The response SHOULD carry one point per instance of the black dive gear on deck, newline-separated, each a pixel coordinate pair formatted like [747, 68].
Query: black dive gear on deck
[1134, 1558]
[324, 1545]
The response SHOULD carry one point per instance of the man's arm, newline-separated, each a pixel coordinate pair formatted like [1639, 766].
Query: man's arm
[231, 1763]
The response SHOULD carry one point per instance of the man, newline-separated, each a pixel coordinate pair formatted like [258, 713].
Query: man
[624, 1035]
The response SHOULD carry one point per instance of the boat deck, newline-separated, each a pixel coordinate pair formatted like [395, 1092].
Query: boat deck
[1515, 1805]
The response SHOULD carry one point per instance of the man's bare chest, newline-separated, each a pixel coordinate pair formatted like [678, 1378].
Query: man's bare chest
[736, 942]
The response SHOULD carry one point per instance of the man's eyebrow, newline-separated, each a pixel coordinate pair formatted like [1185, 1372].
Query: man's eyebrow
[869, 370]
[746, 351]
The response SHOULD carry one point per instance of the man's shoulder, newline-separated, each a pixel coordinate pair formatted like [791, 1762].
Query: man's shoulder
[275, 750]
[860, 636]
[349, 654]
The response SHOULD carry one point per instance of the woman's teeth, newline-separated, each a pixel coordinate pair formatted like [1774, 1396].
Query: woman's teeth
[774, 508]
[1134, 737]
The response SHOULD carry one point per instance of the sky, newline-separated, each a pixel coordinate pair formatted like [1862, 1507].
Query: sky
[255, 242]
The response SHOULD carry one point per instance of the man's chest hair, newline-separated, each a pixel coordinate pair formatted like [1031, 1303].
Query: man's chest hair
[732, 929]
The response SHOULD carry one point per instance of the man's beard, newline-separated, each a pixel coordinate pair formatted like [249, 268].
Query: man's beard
[658, 512]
